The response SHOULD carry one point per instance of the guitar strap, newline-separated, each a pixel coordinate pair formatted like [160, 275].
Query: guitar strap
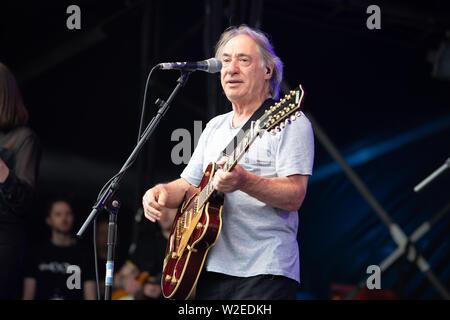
[255, 116]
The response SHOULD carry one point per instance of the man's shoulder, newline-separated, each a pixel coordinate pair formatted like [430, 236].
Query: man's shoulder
[219, 120]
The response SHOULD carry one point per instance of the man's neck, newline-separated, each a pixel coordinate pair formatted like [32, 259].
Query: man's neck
[60, 239]
[243, 111]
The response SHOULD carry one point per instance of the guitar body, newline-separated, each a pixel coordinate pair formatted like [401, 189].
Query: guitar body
[193, 233]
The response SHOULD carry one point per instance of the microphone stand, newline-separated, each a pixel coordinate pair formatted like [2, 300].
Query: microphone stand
[107, 199]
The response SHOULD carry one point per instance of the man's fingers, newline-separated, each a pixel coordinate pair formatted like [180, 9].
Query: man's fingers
[150, 213]
[162, 198]
[222, 161]
[152, 209]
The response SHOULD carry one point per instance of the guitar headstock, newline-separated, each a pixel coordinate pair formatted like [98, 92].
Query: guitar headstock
[283, 112]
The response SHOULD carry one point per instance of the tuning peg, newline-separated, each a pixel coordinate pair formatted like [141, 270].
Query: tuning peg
[288, 121]
[293, 118]
[298, 114]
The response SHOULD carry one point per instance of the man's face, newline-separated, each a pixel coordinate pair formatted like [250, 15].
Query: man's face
[242, 76]
[60, 218]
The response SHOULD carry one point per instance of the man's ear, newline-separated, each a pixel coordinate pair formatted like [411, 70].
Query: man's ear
[269, 70]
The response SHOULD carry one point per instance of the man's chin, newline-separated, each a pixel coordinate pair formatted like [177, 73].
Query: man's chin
[234, 96]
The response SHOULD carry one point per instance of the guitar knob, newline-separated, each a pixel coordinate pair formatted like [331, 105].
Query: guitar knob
[298, 114]
[293, 118]
[282, 125]
[277, 129]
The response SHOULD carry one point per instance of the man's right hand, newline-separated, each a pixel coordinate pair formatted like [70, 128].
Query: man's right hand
[154, 201]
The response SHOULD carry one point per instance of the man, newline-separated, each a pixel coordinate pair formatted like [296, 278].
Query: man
[256, 255]
[46, 275]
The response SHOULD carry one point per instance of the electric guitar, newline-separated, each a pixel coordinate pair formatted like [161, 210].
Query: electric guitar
[198, 221]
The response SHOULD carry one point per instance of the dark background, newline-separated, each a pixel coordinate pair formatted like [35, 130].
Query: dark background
[371, 91]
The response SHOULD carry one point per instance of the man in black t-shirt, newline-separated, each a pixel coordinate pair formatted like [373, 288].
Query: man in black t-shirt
[60, 269]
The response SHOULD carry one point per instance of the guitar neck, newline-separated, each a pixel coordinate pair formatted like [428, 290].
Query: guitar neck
[230, 163]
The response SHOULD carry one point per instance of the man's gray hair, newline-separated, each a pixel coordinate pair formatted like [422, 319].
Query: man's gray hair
[265, 49]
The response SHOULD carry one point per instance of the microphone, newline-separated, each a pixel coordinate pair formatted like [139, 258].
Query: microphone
[211, 65]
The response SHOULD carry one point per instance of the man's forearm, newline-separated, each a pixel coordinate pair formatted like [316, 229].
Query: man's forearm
[176, 189]
[286, 193]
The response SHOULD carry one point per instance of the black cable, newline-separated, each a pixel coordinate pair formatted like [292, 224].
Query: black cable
[96, 260]
[141, 122]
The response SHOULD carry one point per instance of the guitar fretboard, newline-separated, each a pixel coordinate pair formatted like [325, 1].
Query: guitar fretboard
[232, 159]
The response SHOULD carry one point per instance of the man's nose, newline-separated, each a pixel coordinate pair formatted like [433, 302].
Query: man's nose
[233, 66]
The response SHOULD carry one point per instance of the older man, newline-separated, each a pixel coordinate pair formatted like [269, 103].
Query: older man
[256, 255]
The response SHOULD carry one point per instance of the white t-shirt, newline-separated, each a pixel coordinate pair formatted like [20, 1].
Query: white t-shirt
[255, 238]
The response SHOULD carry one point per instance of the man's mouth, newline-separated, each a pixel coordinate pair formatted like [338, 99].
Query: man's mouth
[234, 82]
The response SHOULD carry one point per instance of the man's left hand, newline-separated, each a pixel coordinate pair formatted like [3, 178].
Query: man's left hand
[231, 181]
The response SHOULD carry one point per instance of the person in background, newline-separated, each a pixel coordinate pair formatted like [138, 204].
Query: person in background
[140, 276]
[19, 162]
[47, 275]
